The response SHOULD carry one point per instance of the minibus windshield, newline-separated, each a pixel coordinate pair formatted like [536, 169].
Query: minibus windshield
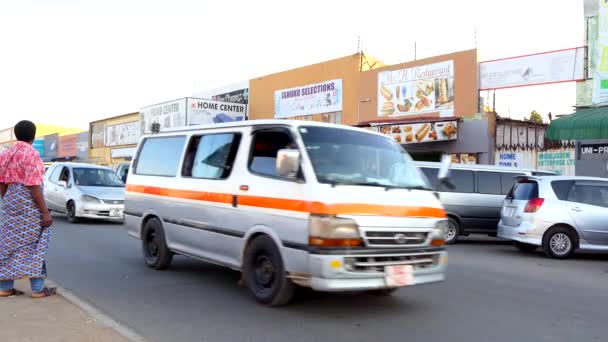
[348, 157]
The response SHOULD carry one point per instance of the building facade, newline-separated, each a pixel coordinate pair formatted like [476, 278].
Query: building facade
[113, 140]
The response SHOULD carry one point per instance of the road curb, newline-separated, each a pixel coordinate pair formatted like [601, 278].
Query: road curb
[97, 314]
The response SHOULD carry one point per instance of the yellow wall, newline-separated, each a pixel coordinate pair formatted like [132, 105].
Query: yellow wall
[43, 129]
[103, 155]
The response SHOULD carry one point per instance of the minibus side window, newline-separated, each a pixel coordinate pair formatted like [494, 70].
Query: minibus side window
[211, 156]
[488, 183]
[264, 150]
[160, 156]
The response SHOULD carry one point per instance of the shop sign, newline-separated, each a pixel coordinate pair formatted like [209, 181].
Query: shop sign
[122, 134]
[509, 159]
[543, 68]
[421, 132]
[68, 146]
[587, 149]
[318, 98]
[98, 131]
[599, 56]
[38, 145]
[202, 112]
[170, 114]
[127, 152]
[412, 91]
[238, 96]
[560, 161]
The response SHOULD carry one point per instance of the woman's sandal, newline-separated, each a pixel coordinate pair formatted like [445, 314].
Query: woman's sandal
[46, 292]
[10, 293]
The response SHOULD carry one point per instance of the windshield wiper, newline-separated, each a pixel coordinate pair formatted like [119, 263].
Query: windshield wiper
[419, 187]
[385, 186]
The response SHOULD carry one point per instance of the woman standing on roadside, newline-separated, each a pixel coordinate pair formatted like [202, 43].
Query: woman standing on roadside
[24, 233]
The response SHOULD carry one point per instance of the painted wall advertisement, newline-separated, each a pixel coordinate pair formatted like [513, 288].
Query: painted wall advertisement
[542, 68]
[423, 89]
[68, 146]
[51, 146]
[318, 98]
[122, 134]
[98, 133]
[38, 145]
[188, 112]
[202, 112]
[421, 132]
[561, 161]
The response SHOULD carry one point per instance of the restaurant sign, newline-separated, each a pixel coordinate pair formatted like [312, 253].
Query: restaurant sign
[421, 132]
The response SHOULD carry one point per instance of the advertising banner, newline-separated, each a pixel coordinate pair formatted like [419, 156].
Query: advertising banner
[38, 145]
[201, 112]
[238, 96]
[122, 134]
[68, 146]
[421, 132]
[318, 98]
[417, 90]
[98, 133]
[600, 56]
[82, 146]
[51, 145]
[170, 114]
[543, 68]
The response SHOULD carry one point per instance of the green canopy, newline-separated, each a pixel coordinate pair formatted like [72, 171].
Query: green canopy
[585, 123]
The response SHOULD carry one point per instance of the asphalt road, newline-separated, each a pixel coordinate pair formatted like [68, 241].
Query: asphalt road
[493, 293]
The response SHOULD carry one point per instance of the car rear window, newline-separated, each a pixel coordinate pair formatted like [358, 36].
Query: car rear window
[524, 190]
[562, 188]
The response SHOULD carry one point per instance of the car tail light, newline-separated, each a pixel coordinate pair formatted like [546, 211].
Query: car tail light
[534, 205]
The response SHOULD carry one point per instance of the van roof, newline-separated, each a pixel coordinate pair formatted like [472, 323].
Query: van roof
[481, 167]
[263, 122]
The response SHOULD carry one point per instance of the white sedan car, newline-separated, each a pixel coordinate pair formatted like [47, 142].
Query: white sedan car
[559, 213]
[84, 191]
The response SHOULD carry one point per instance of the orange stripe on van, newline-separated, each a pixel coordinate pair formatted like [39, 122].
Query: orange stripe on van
[294, 205]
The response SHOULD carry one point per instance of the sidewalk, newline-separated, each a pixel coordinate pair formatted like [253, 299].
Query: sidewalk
[53, 319]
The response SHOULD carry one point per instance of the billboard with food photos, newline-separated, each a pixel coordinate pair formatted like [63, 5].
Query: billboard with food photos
[421, 132]
[422, 89]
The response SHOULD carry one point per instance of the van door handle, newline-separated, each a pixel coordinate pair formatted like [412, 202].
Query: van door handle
[577, 209]
[235, 201]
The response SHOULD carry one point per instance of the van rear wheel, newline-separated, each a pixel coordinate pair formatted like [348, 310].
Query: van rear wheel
[154, 246]
[452, 232]
[265, 273]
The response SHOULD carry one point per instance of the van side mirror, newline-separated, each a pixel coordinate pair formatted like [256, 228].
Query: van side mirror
[288, 163]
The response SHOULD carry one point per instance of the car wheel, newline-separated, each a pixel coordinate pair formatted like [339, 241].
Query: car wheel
[265, 273]
[452, 232]
[525, 247]
[559, 243]
[154, 246]
[71, 212]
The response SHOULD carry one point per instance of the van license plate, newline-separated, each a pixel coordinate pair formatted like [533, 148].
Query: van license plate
[400, 275]
[509, 211]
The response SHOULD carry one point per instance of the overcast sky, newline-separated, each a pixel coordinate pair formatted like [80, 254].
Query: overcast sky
[68, 62]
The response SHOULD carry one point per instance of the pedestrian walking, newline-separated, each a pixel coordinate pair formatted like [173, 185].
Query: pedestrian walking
[25, 218]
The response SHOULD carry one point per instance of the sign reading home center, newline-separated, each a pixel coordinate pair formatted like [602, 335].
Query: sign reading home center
[318, 98]
[422, 89]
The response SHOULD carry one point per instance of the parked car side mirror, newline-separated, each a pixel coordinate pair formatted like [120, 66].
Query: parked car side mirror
[288, 163]
[64, 184]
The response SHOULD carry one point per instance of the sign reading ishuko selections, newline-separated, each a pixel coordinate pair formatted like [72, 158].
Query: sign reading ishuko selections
[318, 98]
[423, 89]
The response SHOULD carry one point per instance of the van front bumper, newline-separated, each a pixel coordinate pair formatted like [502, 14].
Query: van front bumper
[333, 273]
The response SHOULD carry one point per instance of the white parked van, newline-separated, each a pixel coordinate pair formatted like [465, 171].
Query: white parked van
[324, 206]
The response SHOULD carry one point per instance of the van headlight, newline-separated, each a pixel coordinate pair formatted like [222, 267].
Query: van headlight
[90, 199]
[331, 231]
[439, 233]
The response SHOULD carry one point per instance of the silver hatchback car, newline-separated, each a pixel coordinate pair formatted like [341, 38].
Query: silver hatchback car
[559, 213]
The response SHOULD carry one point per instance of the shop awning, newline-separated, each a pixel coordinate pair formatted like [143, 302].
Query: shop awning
[585, 123]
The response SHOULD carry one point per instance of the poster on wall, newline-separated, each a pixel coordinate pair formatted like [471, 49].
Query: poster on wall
[417, 90]
[543, 68]
[238, 96]
[421, 132]
[169, 114]
[98, 131]
[122, 134]
[318, 98]
[201, 112]
[68, 146]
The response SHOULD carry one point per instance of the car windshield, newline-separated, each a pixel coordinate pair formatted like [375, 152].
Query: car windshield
[97, 177]
[348, 157]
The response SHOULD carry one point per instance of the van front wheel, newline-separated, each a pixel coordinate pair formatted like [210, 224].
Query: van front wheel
[452, 232]
[265, 273]
[154, 246]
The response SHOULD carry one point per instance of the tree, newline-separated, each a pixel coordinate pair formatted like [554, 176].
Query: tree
[535, 117]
